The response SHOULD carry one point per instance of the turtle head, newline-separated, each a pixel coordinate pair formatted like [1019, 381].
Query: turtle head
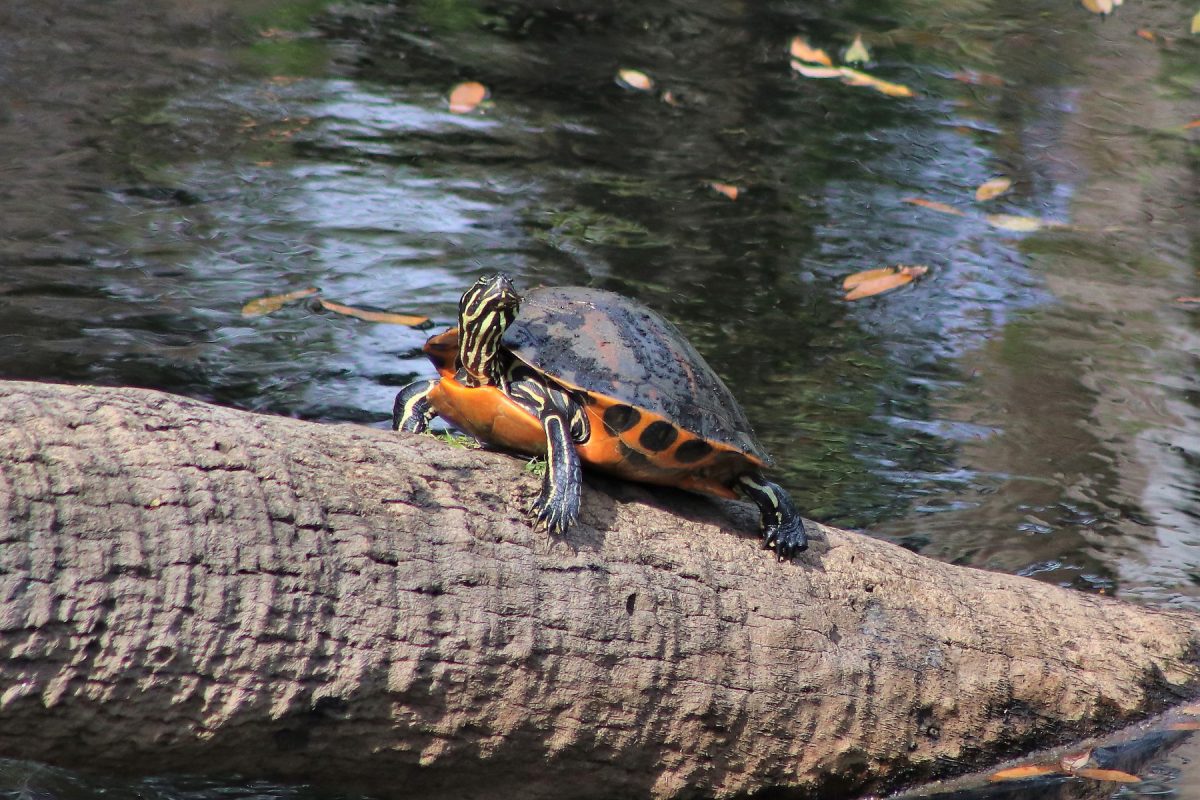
[484, 312]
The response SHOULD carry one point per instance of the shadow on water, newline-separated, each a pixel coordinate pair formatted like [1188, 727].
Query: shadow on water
[1031, 406]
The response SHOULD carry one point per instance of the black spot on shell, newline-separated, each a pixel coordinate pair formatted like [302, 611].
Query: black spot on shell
[621, 418]
[658, 436]
[631, 456]
[692, 451]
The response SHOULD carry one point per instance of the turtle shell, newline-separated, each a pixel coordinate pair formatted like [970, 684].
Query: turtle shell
[606, 344]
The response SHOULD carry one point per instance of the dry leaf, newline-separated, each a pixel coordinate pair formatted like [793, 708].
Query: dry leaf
[633, 79]
[934, 205]
[1017, 773]
[809, 71]
[1098, 6]
[857, 78]
[727, 189]
[1114, 775]
[375, 316]
[877, 281]
[802, 51]
[1193, 124]
[992, 188]
[1014, 222]
[265, 305]
[1189, 300]
[1147, 35]
[857, 53]
[466, 96]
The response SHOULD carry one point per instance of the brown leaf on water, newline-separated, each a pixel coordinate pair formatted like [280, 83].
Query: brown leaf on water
[933, 205]
[375, 316]
[1114, 775]
[1028, 771]
[1149, 36]
[992, 188]
[1017, 223]
[1193, 124]
[857, 53]
[877, 281]
[727, 189]
[809, 71]
[802, 51]
[266, 305]
[634, 79]
[856, 78]
[466, 96]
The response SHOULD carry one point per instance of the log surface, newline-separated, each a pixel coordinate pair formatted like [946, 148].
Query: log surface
[193, 588]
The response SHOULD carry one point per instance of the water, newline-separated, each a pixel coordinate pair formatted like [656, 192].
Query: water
[1032, 406]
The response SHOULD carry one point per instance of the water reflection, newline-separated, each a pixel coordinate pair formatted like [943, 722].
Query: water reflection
[1032, 406]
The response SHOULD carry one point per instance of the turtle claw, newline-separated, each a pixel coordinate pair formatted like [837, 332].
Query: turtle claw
[787, 538]
[553, 517]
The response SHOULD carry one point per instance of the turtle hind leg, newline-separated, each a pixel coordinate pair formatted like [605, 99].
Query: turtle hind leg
[412, 410]
[783, 527]
[558, 505]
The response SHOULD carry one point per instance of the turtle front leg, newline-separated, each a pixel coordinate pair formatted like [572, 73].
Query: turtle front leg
[413, 411]
[558, 505]
[783, 527]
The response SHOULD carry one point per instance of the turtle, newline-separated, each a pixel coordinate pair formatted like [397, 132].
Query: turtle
[588, 376]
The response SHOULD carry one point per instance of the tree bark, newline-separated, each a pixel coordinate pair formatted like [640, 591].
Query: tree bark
[187, 587]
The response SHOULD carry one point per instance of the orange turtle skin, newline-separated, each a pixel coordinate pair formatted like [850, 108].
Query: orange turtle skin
[491, 416]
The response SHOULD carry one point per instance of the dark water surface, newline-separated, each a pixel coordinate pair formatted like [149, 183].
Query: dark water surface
[1032, 406]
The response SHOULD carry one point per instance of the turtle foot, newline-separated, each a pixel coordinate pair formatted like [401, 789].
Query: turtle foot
[787, 538]
[555, 514]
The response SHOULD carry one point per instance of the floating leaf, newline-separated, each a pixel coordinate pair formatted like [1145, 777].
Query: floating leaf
[1098, 6]
[466, 96]
[1189, 301]
[933, 205]
[802, 51]
[375, 316]
[877, 281]
[1029, 771]
[633, 79]
[1114, 775]
[809, 71]
[265, 305]
[857, 53]
[727, 189]
[992, 188]
[1149, 36]
[1193, 124]
[856, 78]
[1014, 222]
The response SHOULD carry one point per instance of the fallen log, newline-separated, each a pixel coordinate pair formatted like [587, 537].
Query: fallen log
[190, 588]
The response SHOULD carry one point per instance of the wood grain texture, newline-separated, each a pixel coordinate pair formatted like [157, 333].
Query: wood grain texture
[187, 587]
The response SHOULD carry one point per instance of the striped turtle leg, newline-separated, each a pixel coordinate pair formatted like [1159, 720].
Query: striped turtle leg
[565, 423]
[558, 505]
[412, 410]
[783, 527]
